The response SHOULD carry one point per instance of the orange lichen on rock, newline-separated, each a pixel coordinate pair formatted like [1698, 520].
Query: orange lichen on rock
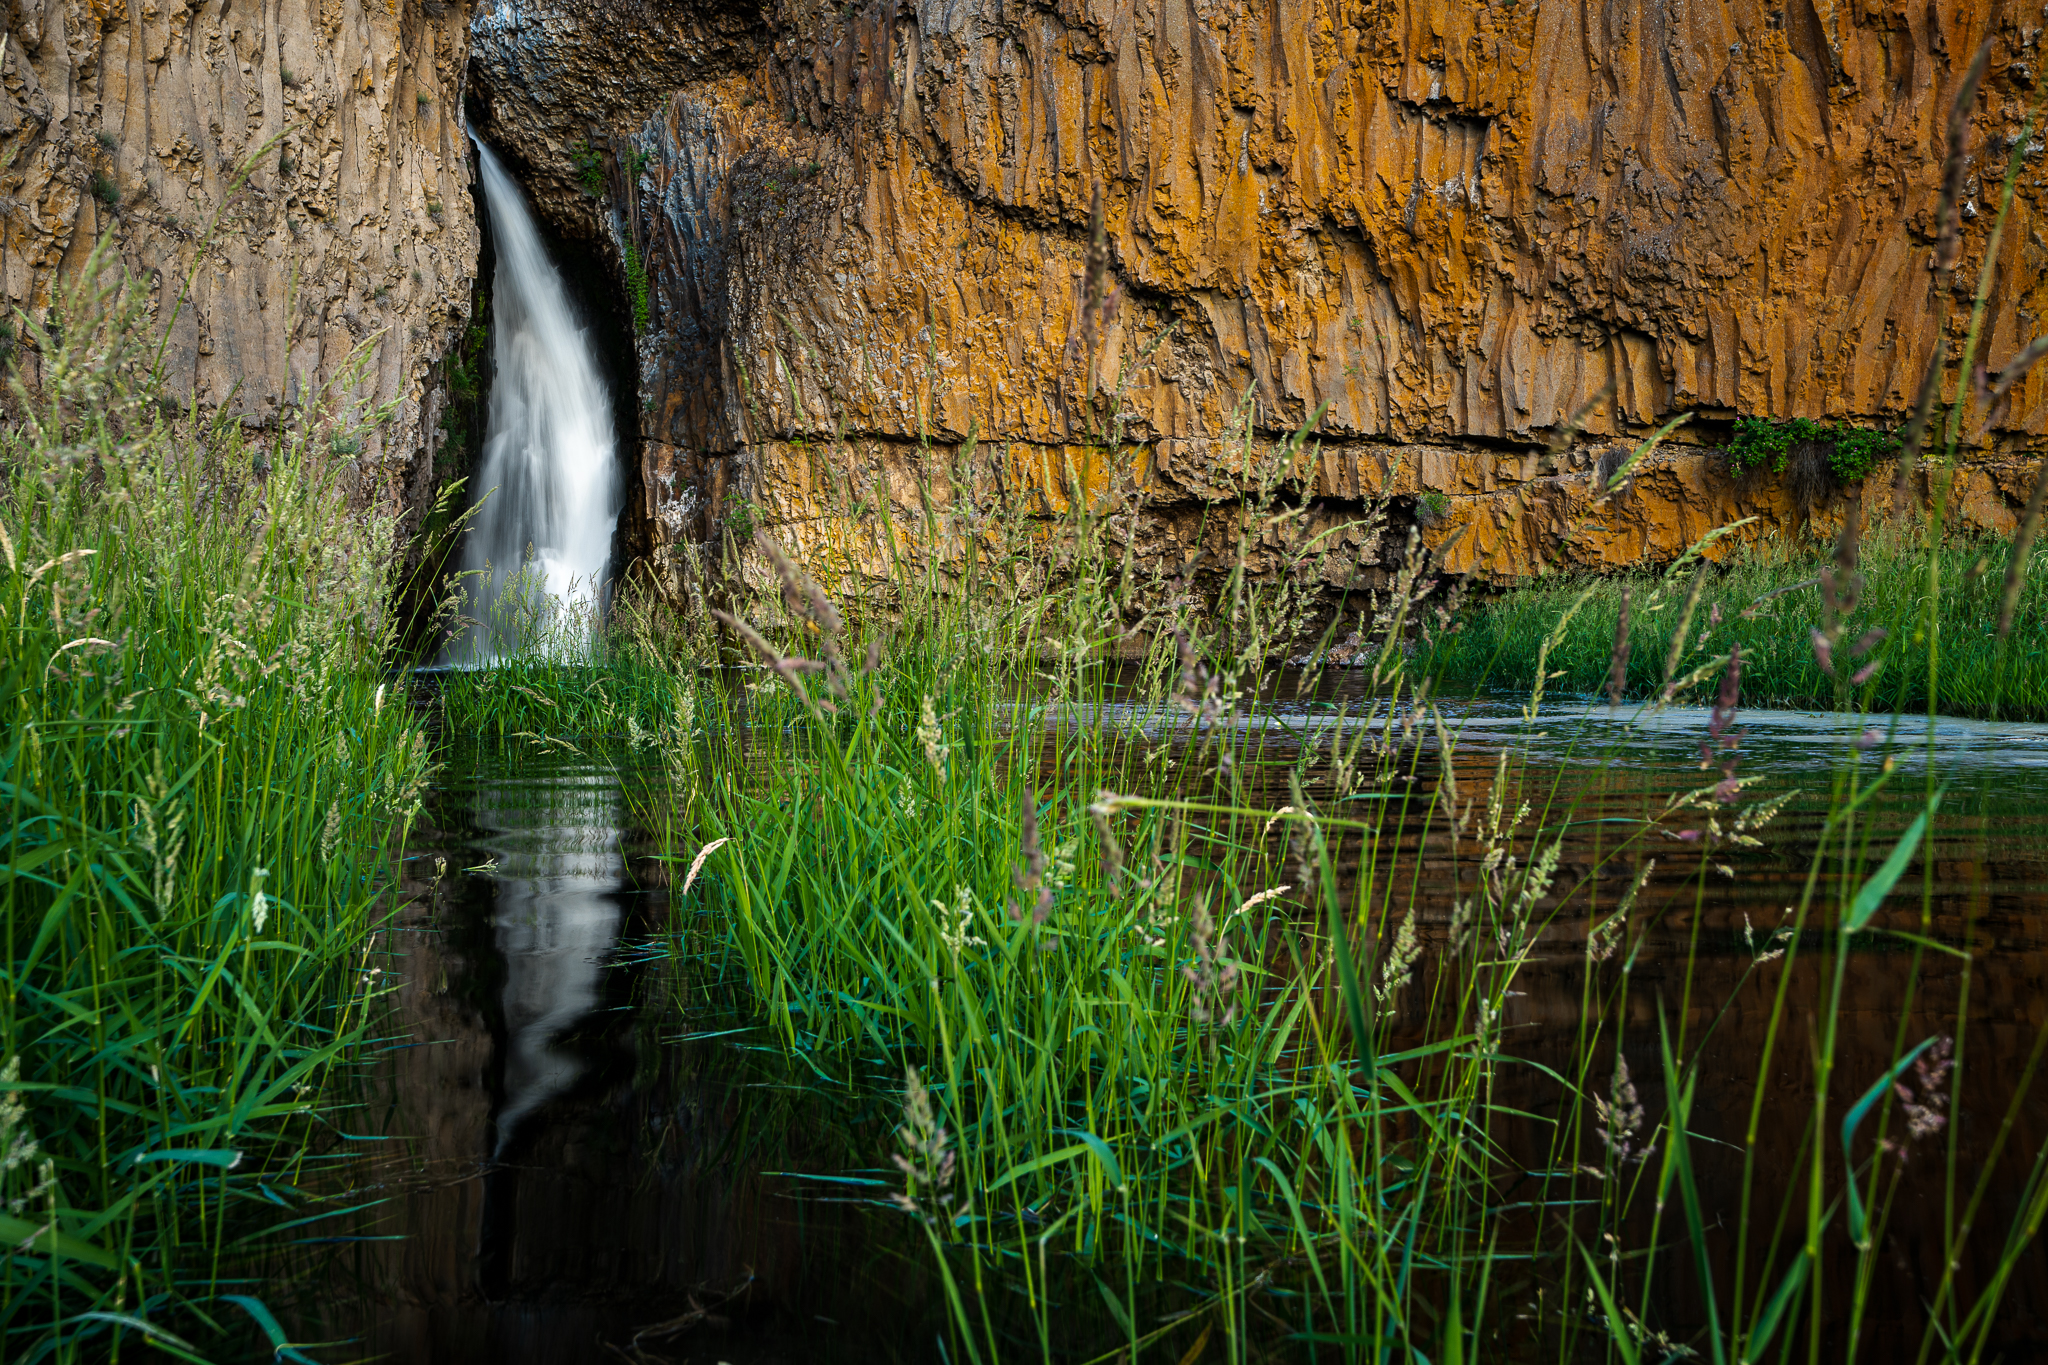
[1408, 222]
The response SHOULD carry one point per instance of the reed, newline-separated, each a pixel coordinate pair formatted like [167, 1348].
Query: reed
[1766, 600]
[1199, 1012]
[204, 773]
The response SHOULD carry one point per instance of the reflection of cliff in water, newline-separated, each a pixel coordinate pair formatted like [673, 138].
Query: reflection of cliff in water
[559, 1188]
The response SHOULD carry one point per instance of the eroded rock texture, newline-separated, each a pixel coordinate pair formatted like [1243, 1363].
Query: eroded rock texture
[1444, 228]
[302, 162]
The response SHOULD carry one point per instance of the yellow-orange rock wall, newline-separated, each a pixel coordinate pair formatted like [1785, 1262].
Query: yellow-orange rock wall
[1415, 222]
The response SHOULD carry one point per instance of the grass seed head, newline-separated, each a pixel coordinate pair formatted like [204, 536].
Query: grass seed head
[1212, 974]
[1621, 1118]
[931, 734]
[1399, 968]
[925, 1156]
[1029, 875]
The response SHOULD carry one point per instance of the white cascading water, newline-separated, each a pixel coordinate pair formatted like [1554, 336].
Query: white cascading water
[549, 478]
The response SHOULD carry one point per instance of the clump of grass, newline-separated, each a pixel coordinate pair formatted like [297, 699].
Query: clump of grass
[1769, 600]
[636, 286]
[105, 189]
[201, 769]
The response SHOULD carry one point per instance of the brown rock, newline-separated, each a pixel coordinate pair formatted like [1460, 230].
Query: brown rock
[1439, 230]
[302, 164]
[1431, 233]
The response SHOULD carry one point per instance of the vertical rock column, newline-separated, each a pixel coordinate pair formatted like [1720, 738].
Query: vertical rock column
[302, 162]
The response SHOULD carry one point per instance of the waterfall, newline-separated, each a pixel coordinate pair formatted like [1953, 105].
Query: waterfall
[549, 480]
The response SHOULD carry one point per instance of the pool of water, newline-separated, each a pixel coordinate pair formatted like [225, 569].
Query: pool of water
[578, 1162]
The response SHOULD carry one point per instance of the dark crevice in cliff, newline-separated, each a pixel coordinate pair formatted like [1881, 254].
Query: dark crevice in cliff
[454, 450]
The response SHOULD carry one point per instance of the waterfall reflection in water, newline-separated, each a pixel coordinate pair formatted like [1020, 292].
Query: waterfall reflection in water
[554, 1186]
[556, 916]
[573, 1180]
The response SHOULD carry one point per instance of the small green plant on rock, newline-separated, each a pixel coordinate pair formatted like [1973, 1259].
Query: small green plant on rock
[589, 168]
[636, 284]
[464, 368]
[1851, 452]
[741, 520]
[105, 190]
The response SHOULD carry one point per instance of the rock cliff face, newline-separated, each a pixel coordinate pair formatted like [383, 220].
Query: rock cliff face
[857, 240]
[302, 162]
[1435, 230]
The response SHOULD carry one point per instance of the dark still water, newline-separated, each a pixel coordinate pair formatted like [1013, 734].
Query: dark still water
[566, 1175]
[584, 1156]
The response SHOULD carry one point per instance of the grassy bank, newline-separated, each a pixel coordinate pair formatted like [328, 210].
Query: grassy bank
[577, 677]
[1888, 655]
[1201, 1029]
[202, 773]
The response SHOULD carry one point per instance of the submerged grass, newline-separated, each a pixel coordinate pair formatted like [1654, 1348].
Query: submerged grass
[1769, 601]
[201, 774]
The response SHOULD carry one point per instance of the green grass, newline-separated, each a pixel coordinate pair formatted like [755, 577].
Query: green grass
[570, 676]
[1767, 601]
[1179, 1068]
[1164, 1072]
[203, 772]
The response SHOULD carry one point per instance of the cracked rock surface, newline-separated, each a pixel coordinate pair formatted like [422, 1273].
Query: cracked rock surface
[858, 237]
[1445, 228]
[302, 162]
